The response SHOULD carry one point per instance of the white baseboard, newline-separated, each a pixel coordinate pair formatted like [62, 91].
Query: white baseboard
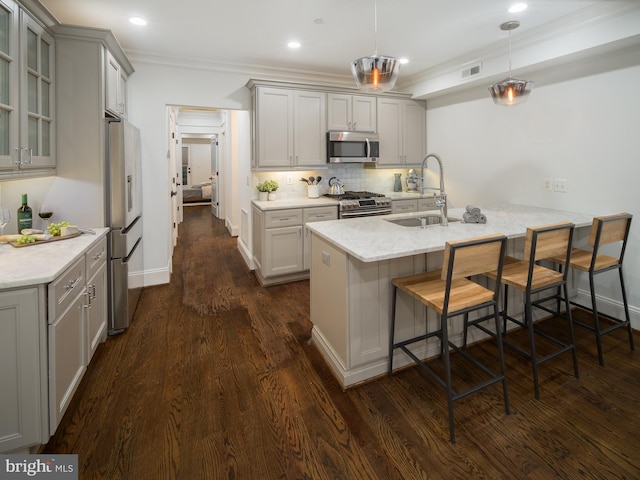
[246, 254]
[610, 307]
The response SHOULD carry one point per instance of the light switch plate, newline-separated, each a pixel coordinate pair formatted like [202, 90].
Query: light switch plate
[326, 259]
[547, 184]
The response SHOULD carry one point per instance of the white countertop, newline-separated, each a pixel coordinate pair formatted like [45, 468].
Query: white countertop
[43, 263]
[371, 239]
[295, 202]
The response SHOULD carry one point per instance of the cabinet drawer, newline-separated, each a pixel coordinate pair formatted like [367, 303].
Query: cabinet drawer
[404, 206]
[283, 218]
[96, 256]
[66, 288]
[318, 214]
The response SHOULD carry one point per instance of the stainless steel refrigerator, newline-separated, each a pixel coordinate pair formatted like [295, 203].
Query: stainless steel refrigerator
[124, 217]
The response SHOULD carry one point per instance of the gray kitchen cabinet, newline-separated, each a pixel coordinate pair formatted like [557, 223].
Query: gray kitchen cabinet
[96, 305]
[422, 204]
[67, 339]
[281, 242]
[289, 128]
[404, 206]
[27, 58]
[22, 376]
[402, 131]
[81, 101]
[115, 86]
[351, 112]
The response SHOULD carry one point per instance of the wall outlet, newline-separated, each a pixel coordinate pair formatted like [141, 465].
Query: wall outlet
[289, 179]
[560, 185]
[547, 184]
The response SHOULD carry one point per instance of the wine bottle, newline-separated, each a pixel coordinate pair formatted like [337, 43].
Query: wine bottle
[25, 216]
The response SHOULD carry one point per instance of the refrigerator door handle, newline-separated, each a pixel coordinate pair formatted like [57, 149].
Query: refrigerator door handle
[128, 257]
[129, 193]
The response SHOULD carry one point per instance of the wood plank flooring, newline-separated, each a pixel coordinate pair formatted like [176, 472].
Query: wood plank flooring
[216, 379]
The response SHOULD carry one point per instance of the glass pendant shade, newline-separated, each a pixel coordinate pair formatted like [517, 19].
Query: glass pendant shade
[510, 91]
[376, 73]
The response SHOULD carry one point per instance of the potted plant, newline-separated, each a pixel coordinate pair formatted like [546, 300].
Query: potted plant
[267, 189]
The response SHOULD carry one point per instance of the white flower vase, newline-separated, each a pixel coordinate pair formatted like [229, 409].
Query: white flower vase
[263, 196]
[272, 195]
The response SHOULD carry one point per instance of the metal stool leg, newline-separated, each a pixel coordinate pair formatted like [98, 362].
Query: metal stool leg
[505, 391]
[571, 333]
[394, 295]
[596, 320]
[447, 367]
[528, 318]
[626, 310]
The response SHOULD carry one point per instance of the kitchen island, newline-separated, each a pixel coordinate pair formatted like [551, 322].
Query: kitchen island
[353, 262]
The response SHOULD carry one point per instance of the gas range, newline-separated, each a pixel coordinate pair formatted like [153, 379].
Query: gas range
[361, 204]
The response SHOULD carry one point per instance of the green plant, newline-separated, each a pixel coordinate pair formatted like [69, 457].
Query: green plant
[268, 186]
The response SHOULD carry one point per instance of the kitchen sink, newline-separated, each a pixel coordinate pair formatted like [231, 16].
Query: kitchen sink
[416, 221]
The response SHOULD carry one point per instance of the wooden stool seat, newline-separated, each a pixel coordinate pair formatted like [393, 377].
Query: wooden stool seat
[515, 273]
[605, 230]
[450, 292]
[430, 289]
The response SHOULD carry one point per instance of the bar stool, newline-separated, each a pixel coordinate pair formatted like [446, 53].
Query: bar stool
[531, 278]
[450, 293]
[604, 230]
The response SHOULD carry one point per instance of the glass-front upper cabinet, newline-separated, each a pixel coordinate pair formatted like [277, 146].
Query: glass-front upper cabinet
[36, 125]
[27, 137]
[9, 98]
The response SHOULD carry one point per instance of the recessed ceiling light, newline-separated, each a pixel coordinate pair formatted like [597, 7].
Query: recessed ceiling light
[517, 7]
[403, 60]
[138, 21]
[319, 21]
[293, 44]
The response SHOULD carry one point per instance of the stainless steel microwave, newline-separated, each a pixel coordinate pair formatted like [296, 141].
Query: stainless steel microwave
[352, 147]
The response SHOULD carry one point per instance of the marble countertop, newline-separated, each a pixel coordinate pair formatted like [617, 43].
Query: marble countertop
[302, 202]
[43, 263]
[371, 239]
[295, 202]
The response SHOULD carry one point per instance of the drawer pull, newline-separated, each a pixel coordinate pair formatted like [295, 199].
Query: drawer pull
[72, 284]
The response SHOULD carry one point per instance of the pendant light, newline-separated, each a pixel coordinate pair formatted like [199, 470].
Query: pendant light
[510, 91]
[376, 73]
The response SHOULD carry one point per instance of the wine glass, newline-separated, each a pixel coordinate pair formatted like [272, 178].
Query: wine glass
[45, 212]
[5, 217]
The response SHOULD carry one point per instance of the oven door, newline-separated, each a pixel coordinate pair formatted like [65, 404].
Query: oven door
[352, 147]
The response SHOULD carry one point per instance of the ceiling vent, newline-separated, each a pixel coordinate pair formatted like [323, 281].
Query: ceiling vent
[471, 71]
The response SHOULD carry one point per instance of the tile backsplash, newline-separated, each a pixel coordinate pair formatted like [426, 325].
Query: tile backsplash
[355, 177]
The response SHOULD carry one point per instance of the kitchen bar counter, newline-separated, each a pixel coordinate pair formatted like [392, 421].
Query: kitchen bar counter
[354, 260]
[41, 264]
[371, 239]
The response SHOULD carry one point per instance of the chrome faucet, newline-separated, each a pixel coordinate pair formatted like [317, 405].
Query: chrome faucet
[441, 203]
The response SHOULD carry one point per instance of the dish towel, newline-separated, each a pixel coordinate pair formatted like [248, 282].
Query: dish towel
[473, 215]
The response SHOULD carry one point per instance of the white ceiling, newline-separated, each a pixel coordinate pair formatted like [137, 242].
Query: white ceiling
[254, 33]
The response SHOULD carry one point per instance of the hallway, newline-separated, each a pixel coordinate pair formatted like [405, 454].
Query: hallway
[216, 379]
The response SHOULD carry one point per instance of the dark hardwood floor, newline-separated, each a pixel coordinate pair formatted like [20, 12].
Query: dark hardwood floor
[216, 379]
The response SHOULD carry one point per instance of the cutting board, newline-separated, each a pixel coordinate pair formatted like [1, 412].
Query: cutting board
[39, 242]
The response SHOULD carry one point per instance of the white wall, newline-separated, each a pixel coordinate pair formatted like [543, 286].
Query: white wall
[584, 130]
[151, 88]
